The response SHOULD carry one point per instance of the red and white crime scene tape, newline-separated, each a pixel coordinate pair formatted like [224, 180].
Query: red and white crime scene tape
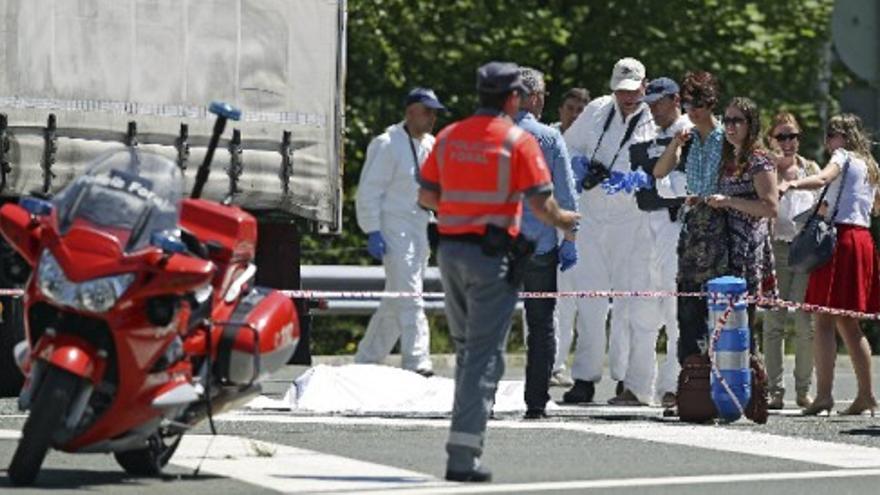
[761, 301]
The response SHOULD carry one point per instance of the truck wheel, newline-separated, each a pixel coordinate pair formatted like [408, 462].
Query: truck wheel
[150, 460]
[11, 333]
[47, 412]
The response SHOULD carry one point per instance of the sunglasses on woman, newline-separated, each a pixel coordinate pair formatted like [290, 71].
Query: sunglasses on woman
[781, 137]
[733, 121]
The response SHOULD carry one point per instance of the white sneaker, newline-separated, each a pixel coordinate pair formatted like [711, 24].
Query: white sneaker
[559, 379]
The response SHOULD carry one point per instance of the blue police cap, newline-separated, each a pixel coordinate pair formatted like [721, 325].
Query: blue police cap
[658, 88]
[425, 96]
[499, 77]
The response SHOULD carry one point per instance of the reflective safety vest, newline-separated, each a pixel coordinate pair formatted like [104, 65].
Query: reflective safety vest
[482, 166]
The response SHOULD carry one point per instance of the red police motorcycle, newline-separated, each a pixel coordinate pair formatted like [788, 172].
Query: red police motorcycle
[141, 314]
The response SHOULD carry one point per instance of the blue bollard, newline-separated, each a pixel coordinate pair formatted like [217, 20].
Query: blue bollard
[731, 351]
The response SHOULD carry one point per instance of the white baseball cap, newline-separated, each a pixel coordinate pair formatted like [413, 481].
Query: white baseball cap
[628, 74]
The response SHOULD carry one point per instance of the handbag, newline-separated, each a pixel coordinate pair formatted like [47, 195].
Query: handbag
[693, 396]
[757, 409]
[814, 245]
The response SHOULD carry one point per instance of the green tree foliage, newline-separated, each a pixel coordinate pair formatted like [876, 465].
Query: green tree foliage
[774, 52]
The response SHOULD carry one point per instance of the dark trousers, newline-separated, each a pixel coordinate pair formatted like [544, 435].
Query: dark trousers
[692, 326]
[540, 276]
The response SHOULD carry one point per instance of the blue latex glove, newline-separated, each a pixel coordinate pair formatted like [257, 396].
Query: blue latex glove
[579, 170]
[628, 182]
[615, 182]
[376, 245]
[568, 255]
[641, 181]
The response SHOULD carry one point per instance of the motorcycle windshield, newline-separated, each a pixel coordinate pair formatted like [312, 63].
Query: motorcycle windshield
[128, 194]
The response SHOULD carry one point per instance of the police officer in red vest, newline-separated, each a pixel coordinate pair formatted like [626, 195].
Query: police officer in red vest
[476, 177]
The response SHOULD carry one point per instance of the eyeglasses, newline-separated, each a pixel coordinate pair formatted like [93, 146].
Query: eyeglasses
[736, 121]
[831, 134]
[786, 136]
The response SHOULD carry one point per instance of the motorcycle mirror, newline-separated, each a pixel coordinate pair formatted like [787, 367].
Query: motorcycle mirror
[224, 112]
[168, 242]
[36, 206]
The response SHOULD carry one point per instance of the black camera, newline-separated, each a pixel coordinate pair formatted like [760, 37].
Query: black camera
[596, 173]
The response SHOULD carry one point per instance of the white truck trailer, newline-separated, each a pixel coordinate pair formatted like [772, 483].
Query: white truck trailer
[80, 77]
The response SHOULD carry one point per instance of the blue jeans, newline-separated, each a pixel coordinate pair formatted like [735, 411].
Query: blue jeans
[540, 276]
[479, 305]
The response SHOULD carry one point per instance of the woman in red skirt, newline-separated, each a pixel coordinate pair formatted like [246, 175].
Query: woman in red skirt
[851, 280]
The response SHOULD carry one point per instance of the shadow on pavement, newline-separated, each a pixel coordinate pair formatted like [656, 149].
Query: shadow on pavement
[870, 431]
[67, 479]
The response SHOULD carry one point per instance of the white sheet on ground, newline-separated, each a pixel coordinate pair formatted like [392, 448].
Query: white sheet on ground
[374, 389]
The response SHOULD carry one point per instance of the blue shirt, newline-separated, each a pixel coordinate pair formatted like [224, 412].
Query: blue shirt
[559, 163]
[704, 161]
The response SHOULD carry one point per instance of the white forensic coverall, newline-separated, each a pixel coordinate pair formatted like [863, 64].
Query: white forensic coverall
[387, 201]
[613, 238]
[664, 235]
[564, 317]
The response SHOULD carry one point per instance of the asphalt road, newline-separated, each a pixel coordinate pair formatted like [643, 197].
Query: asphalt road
[594, 449]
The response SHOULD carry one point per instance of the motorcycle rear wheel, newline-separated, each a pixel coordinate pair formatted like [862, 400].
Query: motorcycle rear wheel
[149, 460]
[47, 412]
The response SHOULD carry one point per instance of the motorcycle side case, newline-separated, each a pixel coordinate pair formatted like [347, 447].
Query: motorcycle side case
[230, 231]
[247, 353]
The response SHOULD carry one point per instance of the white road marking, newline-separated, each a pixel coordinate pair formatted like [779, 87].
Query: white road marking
[725, 439]
[554, 486]
[285, 469]
[10, 434]
[290, 469]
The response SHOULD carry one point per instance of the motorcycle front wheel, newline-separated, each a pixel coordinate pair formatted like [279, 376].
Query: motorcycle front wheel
[47, 412]
[150, 460]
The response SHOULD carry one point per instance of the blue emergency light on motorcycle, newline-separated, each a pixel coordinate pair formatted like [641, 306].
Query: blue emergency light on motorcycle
[731, 350]
[168, 242]
[36, 206]
[224, 110]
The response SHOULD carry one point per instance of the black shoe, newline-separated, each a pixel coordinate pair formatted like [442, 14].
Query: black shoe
[581, 392]
[424, 372]
[618, 390]
[478, 475]
[535, 414]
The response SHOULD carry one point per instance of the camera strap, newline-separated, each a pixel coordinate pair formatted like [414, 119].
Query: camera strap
[626, 136]
[605, 127]
[412, 148]
[629, 132]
